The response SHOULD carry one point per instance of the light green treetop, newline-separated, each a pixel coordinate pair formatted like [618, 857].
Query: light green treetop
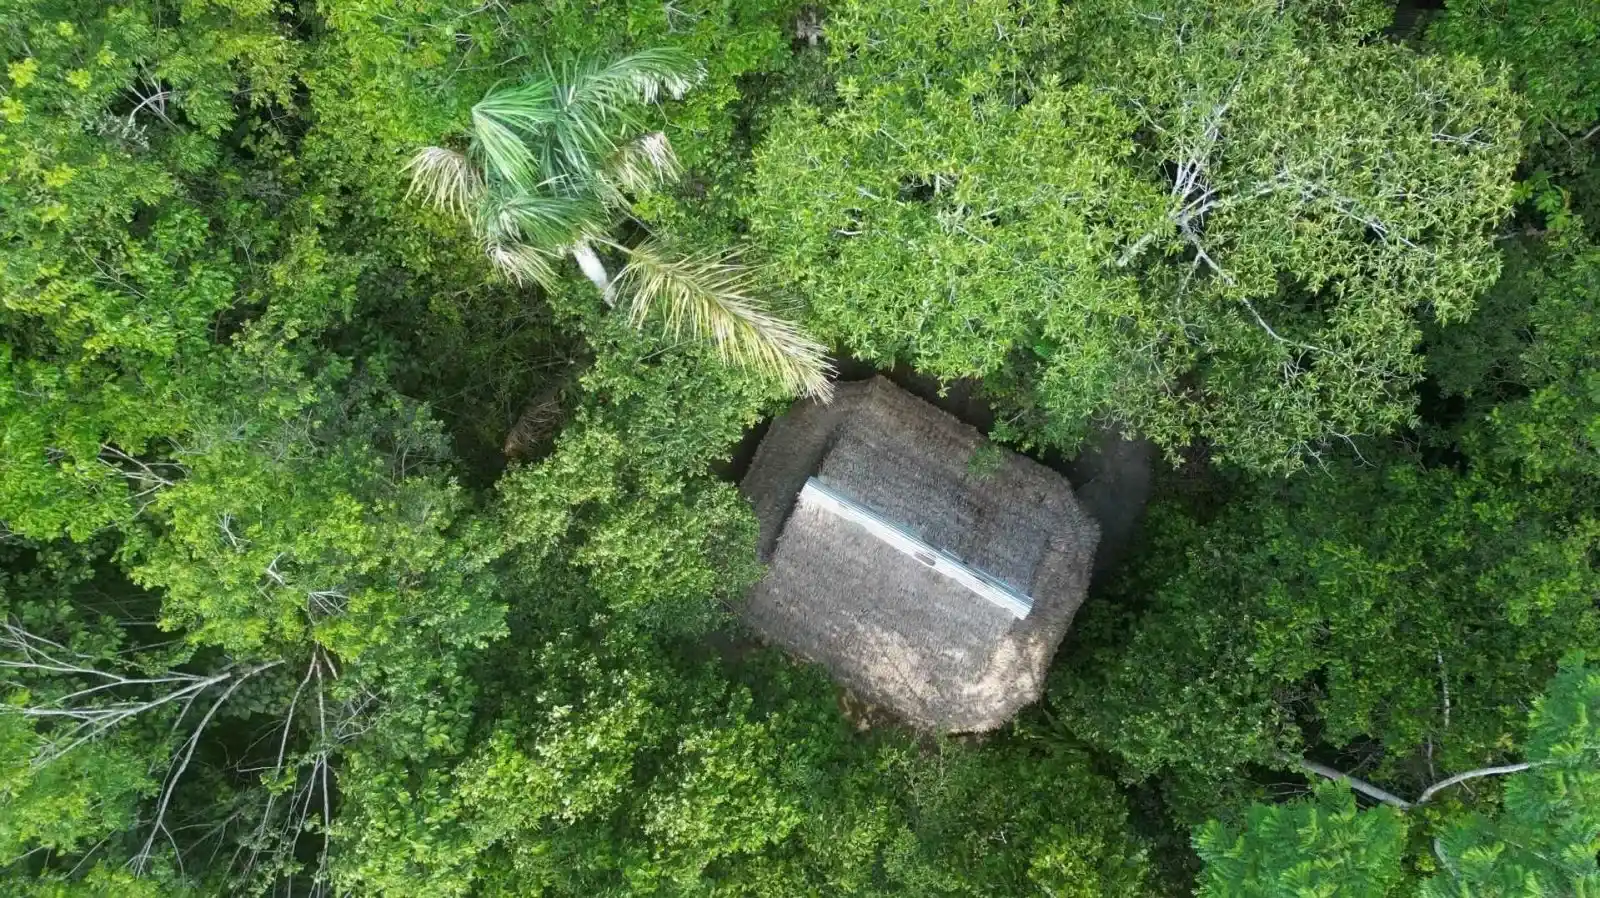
[1198, 218]
[1542, 841]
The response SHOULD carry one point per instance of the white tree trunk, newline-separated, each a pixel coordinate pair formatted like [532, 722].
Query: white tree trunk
[594, 270]
[1390, 798]
[1361, 786]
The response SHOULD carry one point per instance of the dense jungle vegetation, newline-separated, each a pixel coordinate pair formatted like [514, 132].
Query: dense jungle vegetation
[371, 369]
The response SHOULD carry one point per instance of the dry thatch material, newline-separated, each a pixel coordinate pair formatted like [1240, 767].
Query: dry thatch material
[538, 423]
[886, 626]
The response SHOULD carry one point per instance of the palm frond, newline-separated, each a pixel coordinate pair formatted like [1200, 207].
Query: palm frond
[444, 178]
[710, 297]
[643, 165]
[527, 106]
[639, 77]
[522, 264]
[503, 124]
[543, 219]
[506, 156]
[581, 142]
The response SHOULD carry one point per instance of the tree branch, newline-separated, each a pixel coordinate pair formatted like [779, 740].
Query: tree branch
[1389, 798]
[1362, 786]
[143, 857]
[1474, 774]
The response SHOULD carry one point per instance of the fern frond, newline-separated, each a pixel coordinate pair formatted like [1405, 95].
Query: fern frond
[445, 179]
[710, 297]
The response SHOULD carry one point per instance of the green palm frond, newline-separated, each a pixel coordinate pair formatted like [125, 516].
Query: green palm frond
[549, 161]
[710, 297]
[540, 218]
[527, 106]
[581, 141]
[506, 155]
[445, 178]
[640, 77]
[503, 124]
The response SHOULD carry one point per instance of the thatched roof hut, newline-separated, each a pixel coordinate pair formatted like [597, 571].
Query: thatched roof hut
[932, 573]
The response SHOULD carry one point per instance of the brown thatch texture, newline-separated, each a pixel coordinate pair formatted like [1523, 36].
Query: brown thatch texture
[886, 626]
[538, 422]
[791, 452]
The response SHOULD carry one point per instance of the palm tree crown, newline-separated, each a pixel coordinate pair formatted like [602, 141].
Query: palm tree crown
[549, 164]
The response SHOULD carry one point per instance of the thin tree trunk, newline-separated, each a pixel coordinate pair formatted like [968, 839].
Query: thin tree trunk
[1471, 775]
[594, 270]
[1389, 798]
[1362, 786]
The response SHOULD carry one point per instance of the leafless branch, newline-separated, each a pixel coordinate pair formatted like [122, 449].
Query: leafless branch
[1475, 774]
[1390, 798]
[1444, 686]
[1362, 786]
[156, 102]
[85, 723]
[142, 859]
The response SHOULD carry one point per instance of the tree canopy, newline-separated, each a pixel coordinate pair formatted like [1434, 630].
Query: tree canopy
[350, 544]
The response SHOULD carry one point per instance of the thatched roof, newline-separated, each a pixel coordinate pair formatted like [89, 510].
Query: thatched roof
[902, 634]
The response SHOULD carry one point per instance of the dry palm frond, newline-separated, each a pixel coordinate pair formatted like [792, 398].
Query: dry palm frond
[710, 297]
[445, 178]
[522, 264]
[640, 167]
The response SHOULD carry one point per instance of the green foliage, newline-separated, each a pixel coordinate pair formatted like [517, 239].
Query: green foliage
[1353, 603]
[1205, 251]
[279, 616]
[921, 221]
[109, 271]
[625, 773]
[1547, 838]
[277, 537]
[1309, 847]
[1553, 433]
[1552, 46]
[68, 806]
[1346, 607]
[1543, 841]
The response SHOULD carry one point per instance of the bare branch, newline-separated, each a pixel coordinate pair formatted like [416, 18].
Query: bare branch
[140, 860]
[1475, 774]
[1362, 786]
[1390, 798]
[88, 723]
[1444, 686]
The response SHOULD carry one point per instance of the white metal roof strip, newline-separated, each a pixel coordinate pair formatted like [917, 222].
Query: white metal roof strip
[818, 495]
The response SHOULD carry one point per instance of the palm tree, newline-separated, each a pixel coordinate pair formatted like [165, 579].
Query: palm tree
[550, 165]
